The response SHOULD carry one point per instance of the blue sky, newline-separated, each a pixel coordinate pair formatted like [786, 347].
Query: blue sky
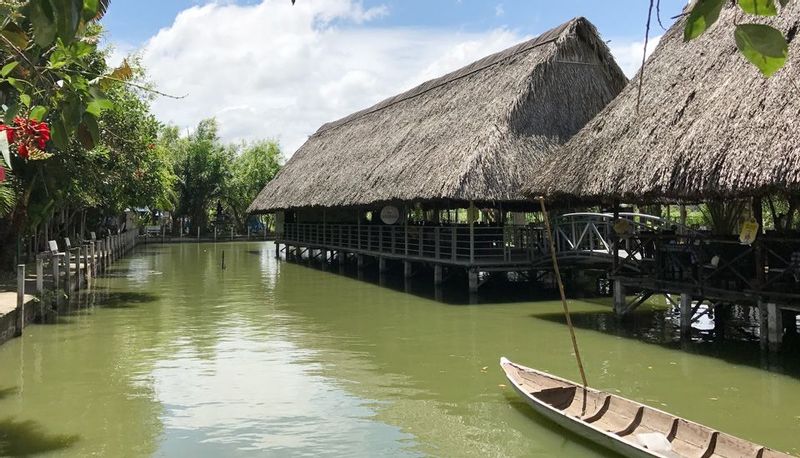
[127, 21]
[266, 69]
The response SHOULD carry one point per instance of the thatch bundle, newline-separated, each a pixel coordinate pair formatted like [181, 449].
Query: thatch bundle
[475, 134]
[709, 126]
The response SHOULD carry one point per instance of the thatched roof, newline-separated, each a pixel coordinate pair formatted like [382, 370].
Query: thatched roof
[709, 126]
[474, 134]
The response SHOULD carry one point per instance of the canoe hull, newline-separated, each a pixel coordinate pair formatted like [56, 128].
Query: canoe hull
[581, 429]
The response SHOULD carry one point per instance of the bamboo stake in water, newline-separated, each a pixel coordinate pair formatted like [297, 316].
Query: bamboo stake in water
[561, 291]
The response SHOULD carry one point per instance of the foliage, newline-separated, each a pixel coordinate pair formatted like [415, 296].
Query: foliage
[254, 167]
[764, 46]
[202, 167]
[210, 173]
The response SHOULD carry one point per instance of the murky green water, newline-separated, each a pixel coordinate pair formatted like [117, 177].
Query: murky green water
[181, 358]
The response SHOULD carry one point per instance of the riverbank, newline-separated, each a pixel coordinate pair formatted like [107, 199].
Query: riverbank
[54, 277]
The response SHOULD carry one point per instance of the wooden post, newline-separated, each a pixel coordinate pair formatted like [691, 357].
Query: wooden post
[93, 258]
[619, 297]
[771, 326]
[360, 261]
[686, 314]
[20, 299]
[55, 264]
[473, 280]
[277, 250]
[79, 282]
[408, 270]
[198, 235]
[438, 277]
[382, 267]
[87, 269]
[40, 276]
[68, 270]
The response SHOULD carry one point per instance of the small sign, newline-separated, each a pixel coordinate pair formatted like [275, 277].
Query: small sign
[749, 232]
[390, 214]
[93, 235]
[623, 228]
[53, 246]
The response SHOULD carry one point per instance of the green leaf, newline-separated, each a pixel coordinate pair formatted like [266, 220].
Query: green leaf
[43, 21]
[14, 33]
[90, 9]
[25, 99]
[59, 134]
[98, 106]
[7, 68]
[38, 112]
[764, 46]
[68, 16]
[89, 132]
[11, 113]
[759, 7]
[704, 14]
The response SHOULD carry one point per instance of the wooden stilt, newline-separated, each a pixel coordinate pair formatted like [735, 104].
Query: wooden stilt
[360, 261]
[472, 275]
[382, 267]
[620, 302]
[408, 271]
[686, 314]
[438, 277]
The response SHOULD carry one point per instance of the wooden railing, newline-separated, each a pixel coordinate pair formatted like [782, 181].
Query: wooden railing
[460, 244]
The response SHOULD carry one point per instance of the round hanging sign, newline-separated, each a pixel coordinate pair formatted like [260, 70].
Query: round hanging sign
[390, 214]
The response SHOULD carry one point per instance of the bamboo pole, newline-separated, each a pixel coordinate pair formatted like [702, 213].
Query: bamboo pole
[563, 296]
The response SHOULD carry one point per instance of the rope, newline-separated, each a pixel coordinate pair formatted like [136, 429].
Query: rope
[563, 296]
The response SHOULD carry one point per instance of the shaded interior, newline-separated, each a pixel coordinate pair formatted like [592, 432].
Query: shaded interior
[649, 428]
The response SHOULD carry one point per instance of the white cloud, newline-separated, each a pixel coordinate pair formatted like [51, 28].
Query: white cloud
[273, 70]
[499, 10]
[629, 53]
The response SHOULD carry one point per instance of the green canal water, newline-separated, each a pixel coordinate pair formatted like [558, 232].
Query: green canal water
[173, 356]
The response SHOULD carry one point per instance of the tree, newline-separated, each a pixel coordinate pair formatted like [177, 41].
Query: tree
[202, 167]
[254, 167]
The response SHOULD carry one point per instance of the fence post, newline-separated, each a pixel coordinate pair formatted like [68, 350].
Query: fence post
[68, 270]
[198, 234]
[20, 299]
[78, 263]
[93, 258]
[39, 276]
[87, 268]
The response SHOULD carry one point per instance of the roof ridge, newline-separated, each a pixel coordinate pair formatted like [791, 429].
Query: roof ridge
[484, 63]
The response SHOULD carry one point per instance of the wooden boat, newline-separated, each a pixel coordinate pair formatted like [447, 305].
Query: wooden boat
[625, 426]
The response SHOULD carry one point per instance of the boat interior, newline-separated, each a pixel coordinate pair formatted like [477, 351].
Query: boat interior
[652, 429]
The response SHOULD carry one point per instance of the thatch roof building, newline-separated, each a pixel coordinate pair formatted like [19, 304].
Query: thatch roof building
[709, 125]
[473, 135]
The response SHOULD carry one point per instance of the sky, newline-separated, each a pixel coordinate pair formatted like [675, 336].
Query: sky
[267, 69]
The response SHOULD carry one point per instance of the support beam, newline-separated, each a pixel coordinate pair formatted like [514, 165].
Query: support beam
[686, 313]
[619, 298]
[382, 267]
[472, 275]
[771, 326]
[408, 269]
[438, 274]
[360, 261]
[277, 250]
